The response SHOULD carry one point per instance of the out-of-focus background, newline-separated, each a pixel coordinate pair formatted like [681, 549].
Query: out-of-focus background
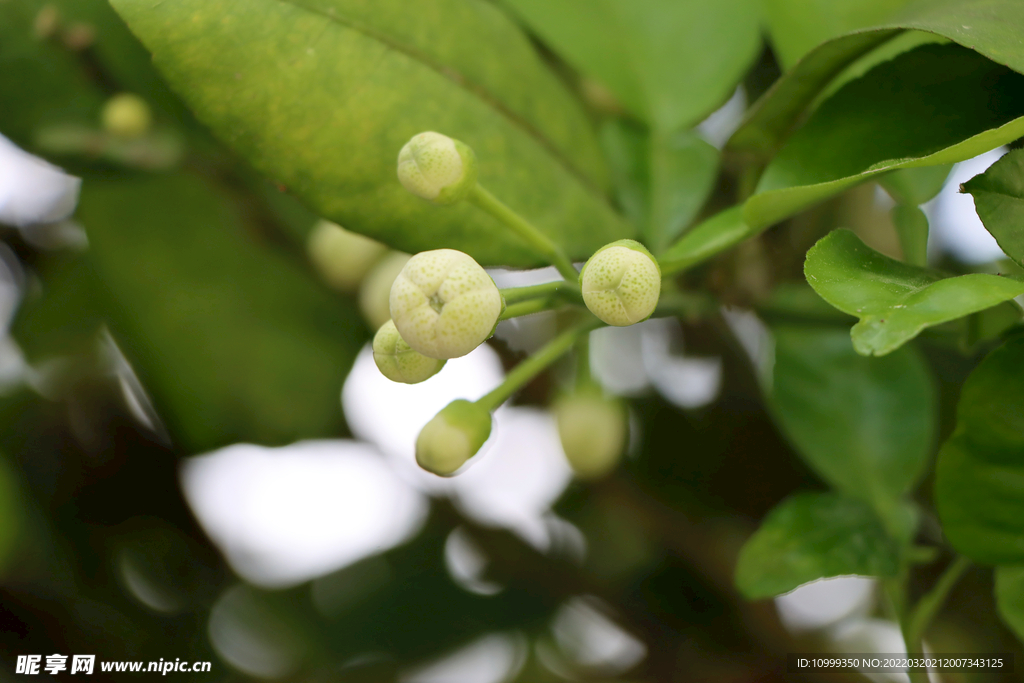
[200, 460]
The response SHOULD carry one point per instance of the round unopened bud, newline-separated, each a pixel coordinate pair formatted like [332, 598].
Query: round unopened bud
[452, 437]
[444, 304]
[342, 257]
[438, 168]
[397, 361]
[593, 431]
[126, 115]
[375, 289]
[621, 283]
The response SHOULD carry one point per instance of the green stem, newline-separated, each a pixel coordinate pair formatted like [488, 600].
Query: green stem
[525, 308]
[534, 237]
[657, 218]
[930, 604]
[520, 375]
[582, 351]
[548, 289]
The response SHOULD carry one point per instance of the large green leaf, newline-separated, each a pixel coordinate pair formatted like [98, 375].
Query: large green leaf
[979, 486]
[865, 425]
[894, 300]
[991, 27]
[714, 235]
[235, 342]
[321, 94]
[999, 198]
[670, 62]
[798, 26]
[1010, 597]
[813, 536]
[934, 105]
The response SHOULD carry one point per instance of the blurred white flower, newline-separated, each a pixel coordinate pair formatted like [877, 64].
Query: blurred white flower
[32, 190]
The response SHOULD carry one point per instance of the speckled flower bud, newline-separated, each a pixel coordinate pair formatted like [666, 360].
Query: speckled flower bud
[621, 283]
[593, 432]
[341, 257]
[397, 361]
[375, 289]
[126, 115]
[452, 437]
[444, 304]
[437, 168]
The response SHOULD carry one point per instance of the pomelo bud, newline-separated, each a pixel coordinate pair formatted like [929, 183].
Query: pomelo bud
[593, 432]
[452, 437]
[437, 168]
[621, 283]
[375, 289]
[126, 115]
[444, 304]
[397, 361]
[342, 258]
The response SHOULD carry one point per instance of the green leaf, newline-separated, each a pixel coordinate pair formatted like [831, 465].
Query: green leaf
[670, 62]
[979, 486]
[999, 198]
[871, 126]
[991, 27]
[712, 236]
[912, 229]
[798, 26]
[1010, 597]
[320, 95]
[865, 425]
[813, 536]
[915, 186]
[234, 341]
[894, 300]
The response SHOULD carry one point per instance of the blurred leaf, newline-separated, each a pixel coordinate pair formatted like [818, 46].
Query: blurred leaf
[915, 186]
[321, 94]
[235, 342]
[893, 300]
[870, 126]
[912, 229]
[991, 27]
[64, 316]
[671, 62]
[798, 26]
[661, 182]
[712, 236]
[865, 425]
[10, 514]
[1010, 597]
[999, 198]
[812, 536]
[979, 486]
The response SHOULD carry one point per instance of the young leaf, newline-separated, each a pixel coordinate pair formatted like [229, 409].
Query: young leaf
[865, 425]
[669, 62]
[321, 95]
[979, 485]
[999, 198]
[894, 300]
[991, 27]
[870, 127]
[1010, 597]
[915, 186]
[911, 225]
[813, 536]
[235, 342]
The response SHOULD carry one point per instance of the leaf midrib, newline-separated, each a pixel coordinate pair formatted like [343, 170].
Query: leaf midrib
[460, 80]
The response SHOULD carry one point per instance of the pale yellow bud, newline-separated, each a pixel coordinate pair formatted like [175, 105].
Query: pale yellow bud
[342, 258]
[621, 283]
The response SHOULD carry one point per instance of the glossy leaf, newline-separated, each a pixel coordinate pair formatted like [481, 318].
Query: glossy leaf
[991, 27]
[1010, 597]
[321, 94]
[979, 486]
[894, 300]
[670, 62]
[235, 342]
[813, 536]
[865, 425]
[871, 126]
[999, 198]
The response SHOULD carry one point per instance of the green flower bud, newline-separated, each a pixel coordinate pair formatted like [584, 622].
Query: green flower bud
[621, 283]
[437, 168]
[126, 116]
[341, 257]
[452, 437]
[444, 304]
[375, 289]
[593, 431]
[397, 361]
